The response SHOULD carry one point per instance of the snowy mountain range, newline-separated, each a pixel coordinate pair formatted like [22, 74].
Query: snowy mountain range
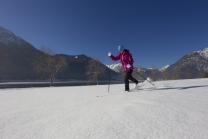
[191, 65]
[116, 67]
[197, 59]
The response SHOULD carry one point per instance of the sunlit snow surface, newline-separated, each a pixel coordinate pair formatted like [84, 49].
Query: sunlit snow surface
[176, 109]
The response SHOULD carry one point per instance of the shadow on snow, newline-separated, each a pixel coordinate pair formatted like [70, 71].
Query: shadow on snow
[178, 88]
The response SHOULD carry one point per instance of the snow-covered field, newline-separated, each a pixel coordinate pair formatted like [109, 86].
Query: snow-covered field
[176, 109]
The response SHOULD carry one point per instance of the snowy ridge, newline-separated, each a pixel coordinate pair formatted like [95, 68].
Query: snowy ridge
[204, 53]
[6, 31]
[7, 37]
[164, 68]
[195, 61]
[115, 67]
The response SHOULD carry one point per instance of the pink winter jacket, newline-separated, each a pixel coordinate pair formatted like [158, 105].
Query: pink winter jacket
[126, 58]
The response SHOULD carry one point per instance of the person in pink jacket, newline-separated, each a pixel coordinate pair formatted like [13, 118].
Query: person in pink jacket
[127, 63]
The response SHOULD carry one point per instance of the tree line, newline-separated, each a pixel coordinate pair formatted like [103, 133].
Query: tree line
[175, 74]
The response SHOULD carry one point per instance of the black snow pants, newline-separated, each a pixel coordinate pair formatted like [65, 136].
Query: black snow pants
[128, 77]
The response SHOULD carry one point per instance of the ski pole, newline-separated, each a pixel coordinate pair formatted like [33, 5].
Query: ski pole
[144, 78]
[109, 78]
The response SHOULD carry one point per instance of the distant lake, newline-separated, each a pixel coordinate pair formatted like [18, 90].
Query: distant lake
[30, 84]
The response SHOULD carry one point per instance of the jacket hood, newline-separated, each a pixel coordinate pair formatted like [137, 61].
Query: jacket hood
[126, 50]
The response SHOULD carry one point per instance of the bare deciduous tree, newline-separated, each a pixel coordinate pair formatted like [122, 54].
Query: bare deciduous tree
[48, 64]
[94, 69]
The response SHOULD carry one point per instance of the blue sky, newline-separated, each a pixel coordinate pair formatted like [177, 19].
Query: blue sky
[157, 32]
